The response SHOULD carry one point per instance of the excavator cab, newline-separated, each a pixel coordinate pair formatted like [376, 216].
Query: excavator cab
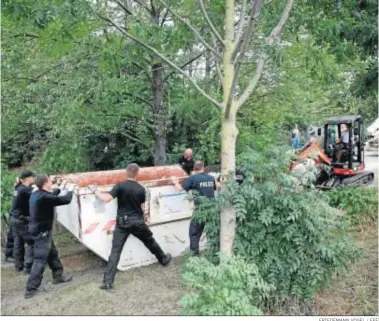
[341, 158]
[344, 145]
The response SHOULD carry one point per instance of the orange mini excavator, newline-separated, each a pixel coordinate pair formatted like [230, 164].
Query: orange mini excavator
[341, 160]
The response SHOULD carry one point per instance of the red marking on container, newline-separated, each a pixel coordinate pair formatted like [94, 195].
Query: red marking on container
[109, 225]
[91, 228]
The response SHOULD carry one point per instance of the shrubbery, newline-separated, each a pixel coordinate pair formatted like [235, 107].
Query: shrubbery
[293, 236]
[233, 288]
[359, 204]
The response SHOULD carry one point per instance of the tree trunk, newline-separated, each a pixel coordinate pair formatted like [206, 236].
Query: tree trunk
[159, 112]
[229, 134]
[159, 116]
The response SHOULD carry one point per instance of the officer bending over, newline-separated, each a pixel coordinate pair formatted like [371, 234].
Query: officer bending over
[130, 220]
[19, 220]
[42, 203]
[203, 185]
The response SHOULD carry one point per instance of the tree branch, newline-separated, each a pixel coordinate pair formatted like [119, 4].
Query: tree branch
[165, 59]
[242, 47]
[239, 35]
[139, 98]
[252, 84]
[186, 64]
[211, 25]
[164, 18]
[135, 139]
[25, 34]
[143, 6]
[146, 73]
[202, 40]
[245, 37]
[34, 80]
[279, 27]
[123, 7]
[270, 40]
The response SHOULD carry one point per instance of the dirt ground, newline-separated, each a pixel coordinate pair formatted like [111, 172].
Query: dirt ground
[156, 290]
[152, 290]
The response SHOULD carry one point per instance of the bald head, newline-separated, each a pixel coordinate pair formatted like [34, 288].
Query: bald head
[188, 153]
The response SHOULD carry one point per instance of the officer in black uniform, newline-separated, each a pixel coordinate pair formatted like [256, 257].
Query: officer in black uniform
[131, 197]
[186, 161]
[42, 203]
[19, 220]
[203, 185]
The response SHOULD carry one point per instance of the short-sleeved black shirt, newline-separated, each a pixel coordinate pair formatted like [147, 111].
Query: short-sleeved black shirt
[187, 164]
[204, 184]
[130, 196]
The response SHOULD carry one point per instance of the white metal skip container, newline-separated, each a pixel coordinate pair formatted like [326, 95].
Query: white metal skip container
[92, 221]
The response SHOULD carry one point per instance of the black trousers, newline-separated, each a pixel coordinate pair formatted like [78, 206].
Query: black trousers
[8, 251]
[120, 235]
[45, 252]
[23, 256]
[195, 231]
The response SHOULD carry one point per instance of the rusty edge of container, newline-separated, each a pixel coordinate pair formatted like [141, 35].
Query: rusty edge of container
[147, 175]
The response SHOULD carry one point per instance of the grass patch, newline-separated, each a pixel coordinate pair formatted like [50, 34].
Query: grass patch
[354, 292]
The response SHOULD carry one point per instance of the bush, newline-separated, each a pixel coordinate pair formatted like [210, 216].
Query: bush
[63, 157]
[233, 288]
[360, 204]
[293, 235]
[7, 179]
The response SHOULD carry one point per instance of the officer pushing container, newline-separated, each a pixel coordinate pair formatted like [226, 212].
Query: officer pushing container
[203, 185]
[131, 197]
[42, 203]
[19, 220]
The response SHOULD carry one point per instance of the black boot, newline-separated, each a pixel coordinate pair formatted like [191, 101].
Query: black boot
[29, 294]
[62, 279]
[26, 271]
[106, 287]
[166, 260]
[19, 269]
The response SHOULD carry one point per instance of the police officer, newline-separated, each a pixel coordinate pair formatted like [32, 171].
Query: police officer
[131, 197]
[42, 203]
[203, 185]
[19, 219]
[186, 161]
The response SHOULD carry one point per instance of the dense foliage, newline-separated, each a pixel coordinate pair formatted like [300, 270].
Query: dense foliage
[291, 234]
[78, 98]
[234, 288]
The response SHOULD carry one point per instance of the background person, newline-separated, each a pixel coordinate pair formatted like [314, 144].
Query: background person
[186, 161]
[295, 137]
[19, 220]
